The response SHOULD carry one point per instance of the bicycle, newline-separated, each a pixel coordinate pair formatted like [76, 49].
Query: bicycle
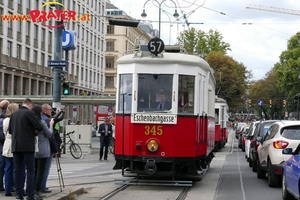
[74, 148]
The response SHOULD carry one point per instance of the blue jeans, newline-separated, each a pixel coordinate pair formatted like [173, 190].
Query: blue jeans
[19, 159]
[9, 175]
[47, 171]
[2, 166]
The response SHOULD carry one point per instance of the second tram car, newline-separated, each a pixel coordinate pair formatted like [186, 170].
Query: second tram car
[221, 122]
[165, 120]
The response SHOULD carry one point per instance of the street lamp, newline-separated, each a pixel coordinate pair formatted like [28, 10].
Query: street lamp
[176, 15]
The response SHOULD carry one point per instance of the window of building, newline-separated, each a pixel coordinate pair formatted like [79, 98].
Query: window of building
[86, 74]
[18, 51]
[36, 31]
[43, 59]
[86, 55]
[9, 22]
[1, 13]
[82, 74]
[50, 38]
[43, 35]
[27, 28]
[109, 62]
[1, 45]
[109, 81]
[27, 54]
[19, 26]
[110, 29]
[35, 55]
[9, 49]
[110, 46]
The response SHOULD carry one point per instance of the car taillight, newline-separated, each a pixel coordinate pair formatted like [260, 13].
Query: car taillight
[280, 144]
[256, 144]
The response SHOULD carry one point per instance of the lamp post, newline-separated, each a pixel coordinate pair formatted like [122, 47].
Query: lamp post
[176, 15]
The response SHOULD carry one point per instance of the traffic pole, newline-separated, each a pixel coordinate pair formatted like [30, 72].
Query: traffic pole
[57, 56]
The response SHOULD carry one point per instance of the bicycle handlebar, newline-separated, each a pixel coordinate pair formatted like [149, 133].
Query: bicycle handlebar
[70, 133]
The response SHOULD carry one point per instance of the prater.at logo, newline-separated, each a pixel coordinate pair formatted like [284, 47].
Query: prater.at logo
[42, 16]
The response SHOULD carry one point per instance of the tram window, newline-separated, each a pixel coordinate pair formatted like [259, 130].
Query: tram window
[125, 90]
[217, 116]
[186, 94]
[153, 88]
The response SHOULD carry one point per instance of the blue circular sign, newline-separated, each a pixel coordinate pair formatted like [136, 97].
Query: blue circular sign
[69, 40]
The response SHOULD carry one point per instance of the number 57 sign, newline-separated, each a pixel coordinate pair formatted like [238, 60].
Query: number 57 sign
[156, 46]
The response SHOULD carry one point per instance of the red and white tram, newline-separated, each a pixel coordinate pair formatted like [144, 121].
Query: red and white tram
[222, 122]
[175, 140]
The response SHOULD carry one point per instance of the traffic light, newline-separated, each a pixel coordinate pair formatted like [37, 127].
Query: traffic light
[270, 102]
[284, 102]
[66, 89]
[249, 102]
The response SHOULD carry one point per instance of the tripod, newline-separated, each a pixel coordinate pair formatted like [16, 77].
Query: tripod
[60, 176]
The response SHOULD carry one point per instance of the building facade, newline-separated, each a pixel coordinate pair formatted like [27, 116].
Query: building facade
[26, 46]
[120, 40]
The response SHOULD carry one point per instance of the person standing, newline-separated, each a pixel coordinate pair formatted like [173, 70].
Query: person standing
[23, 127]
[105, 130]
[3, 105]
[7, 154]
[43, 153]
[46, 116]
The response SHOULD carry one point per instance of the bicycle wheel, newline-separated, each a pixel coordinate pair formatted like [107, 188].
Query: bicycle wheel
[75, 150]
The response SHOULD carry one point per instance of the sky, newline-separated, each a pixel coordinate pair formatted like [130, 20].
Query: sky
[256, 37]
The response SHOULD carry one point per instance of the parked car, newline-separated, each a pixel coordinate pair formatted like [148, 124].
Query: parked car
[291, 174]
[249, 138]
[242, 137]
[239, 128]
[260, 131]
[281, 135]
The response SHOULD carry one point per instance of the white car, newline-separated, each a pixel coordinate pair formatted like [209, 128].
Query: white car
[281, 135]
[249, 139]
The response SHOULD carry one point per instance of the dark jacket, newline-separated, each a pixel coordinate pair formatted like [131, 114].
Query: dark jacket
[167, 105]
[23, 127]
[102, 135]
[53, 145]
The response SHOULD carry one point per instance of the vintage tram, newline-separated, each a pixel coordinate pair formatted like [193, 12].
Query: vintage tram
[221, 122]
[174, 140]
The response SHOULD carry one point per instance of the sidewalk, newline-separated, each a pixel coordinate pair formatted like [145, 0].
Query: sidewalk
[69, 191]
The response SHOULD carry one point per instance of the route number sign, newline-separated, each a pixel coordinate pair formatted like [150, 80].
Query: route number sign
[156, 46]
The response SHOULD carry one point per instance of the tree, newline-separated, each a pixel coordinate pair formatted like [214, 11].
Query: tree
[231, 79]
[287, 70]
[203, 43]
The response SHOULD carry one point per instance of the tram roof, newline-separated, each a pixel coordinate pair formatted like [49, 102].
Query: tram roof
[145, 57]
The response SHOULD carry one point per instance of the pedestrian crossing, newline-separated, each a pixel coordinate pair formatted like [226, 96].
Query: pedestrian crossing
[72, 168]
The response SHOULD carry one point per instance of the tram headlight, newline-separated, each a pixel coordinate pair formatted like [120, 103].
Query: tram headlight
[152, 145]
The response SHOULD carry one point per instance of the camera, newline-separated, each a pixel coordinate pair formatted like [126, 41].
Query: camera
[53, 112]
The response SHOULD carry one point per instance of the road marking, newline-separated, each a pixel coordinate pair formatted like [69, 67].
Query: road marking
[241, 177]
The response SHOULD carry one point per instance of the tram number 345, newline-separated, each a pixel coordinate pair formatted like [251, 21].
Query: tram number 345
[156, 46]
[153, 130]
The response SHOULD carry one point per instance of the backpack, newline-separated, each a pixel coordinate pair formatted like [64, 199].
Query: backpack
[2, 136]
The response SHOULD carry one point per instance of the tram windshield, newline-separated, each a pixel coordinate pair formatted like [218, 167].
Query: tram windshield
[154, 92]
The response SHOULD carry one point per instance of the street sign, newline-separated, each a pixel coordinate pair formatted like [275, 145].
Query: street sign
[57, 63]
[260, 103]
[69, 40]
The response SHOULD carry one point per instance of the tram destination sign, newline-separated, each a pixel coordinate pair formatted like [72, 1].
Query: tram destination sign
[57, 63]
[153, 118]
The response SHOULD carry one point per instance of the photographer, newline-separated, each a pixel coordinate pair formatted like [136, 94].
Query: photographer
[57, 118]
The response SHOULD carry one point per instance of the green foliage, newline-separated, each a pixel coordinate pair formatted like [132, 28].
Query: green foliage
[203, 43]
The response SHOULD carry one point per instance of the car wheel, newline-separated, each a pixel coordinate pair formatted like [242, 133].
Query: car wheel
[285, 193]
[260, 173]
[273, 179]
[250, 162]
[254, 165]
